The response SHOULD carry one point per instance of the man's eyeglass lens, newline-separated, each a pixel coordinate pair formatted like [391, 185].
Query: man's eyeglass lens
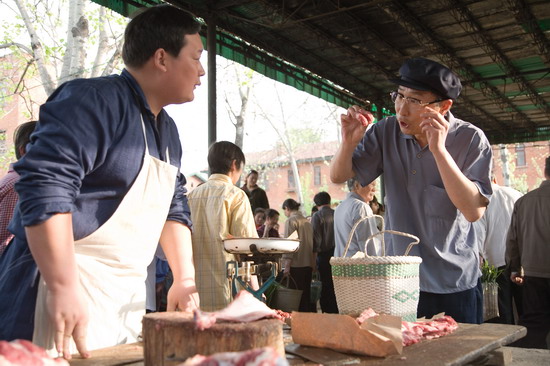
[396, 96]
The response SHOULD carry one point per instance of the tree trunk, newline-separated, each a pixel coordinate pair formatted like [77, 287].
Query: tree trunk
[103, 45]
[38, 53]
[77, 33]
[504, 160]
[244, 92]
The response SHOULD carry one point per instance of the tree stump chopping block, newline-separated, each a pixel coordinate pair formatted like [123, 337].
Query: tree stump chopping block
[171, 337]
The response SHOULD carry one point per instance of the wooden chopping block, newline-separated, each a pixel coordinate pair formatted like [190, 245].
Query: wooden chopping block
[170, 337]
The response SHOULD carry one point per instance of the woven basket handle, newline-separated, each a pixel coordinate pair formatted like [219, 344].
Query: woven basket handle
[352, 231]
[409, 247]
[288, 278]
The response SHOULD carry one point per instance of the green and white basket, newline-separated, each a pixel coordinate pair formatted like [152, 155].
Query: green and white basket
[387, 284]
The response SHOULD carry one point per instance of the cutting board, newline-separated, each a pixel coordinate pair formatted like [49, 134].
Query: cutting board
[171, 337]
[125, 354]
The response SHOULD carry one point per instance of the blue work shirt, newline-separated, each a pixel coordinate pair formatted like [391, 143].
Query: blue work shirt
[84, 156]
[417, 203]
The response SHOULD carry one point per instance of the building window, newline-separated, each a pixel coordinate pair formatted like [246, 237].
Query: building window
[291, 184]
[317, 175]
[520, 155]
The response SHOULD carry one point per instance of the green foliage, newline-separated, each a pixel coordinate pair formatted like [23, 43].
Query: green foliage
[489, 273]
[303, 136]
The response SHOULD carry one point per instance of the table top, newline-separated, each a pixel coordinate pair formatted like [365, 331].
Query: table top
[468, 343]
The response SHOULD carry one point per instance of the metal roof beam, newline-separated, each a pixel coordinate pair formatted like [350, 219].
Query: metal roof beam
[523, 15]
[424, 36]
[467, 21]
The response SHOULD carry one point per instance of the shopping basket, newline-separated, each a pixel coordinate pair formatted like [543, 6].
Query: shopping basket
[387, 284]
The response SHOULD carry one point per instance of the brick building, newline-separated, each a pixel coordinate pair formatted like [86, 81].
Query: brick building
[277, 178]
[520, 166]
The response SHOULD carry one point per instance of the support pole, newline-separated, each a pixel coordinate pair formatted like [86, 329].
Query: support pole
[211, 48]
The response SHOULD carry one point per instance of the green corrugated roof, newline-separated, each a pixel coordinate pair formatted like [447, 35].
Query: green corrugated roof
[235, 49]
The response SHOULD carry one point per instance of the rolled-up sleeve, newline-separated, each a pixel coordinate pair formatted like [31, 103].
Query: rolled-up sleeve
[179, 208]
[68, 143]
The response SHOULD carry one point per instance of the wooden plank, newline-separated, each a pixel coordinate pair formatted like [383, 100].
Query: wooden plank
[500, 357]
[124, 354]
[468, 343]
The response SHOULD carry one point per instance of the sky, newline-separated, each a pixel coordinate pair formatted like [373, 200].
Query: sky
[298, 108]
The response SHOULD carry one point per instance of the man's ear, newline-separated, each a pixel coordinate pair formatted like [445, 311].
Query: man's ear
[159, 59]
[445, 106]
[234, 167]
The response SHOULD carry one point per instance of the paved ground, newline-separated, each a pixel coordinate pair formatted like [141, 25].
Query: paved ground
[530, 357]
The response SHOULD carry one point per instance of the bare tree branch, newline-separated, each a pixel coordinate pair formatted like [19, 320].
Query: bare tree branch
[37, 53]
[18, 45]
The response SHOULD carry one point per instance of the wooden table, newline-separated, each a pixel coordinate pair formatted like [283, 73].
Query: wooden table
[468, 343]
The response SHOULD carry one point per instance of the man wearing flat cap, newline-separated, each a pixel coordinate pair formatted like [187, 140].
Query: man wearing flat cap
[528, 248]
[436, 176]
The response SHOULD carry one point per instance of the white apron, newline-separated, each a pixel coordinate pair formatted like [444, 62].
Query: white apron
[112, 261]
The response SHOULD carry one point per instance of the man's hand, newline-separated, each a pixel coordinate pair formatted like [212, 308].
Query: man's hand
[286, 262]
[516, 278]
[52, 247]
[435, 127]
[354, 124]
[183, 296]
[68, 312]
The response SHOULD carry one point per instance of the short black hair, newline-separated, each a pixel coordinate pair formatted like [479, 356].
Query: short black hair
[321, 198]
[163, 26]
[259, 210]
[220, 156]
[252, 171]
[291, 204]
[22, 136]
[272, 213]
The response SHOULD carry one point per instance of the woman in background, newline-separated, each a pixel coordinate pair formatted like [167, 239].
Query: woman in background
[256, 195]
[299, 265]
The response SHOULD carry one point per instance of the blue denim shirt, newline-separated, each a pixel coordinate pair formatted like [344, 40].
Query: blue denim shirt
[417, 203]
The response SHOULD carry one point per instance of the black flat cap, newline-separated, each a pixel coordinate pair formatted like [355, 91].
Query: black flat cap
[423, 74]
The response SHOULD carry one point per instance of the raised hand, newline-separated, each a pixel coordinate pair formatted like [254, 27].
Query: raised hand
[354, 124]
[435, 127]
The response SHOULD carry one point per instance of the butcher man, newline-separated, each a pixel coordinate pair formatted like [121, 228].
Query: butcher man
[100, 187]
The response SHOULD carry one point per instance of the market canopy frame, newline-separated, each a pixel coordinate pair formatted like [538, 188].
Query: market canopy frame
[344, 51]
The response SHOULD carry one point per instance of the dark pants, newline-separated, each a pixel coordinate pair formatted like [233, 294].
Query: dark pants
[302, 278]
[507, 293]
[536, 312]
[328, 299]
[18, 289]
[464, 306]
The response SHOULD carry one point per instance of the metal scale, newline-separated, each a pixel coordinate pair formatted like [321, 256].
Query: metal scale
[259, 257]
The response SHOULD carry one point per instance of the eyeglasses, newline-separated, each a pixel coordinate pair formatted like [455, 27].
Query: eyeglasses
[397, 97]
